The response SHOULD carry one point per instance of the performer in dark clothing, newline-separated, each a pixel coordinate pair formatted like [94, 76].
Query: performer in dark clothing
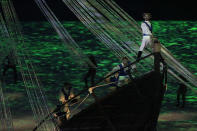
[9, 63]
[91, 71]
[63, 114]
[181, 92]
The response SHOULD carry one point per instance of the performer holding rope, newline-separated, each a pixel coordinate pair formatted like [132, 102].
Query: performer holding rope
[125, 73]
[66, 93]
[147, 34]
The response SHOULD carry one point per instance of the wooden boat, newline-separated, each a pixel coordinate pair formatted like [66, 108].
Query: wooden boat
[133, 107]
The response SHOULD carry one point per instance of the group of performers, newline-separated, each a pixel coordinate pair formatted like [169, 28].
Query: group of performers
[121, 77]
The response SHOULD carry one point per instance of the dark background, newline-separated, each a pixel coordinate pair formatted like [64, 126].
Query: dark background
[27, 10]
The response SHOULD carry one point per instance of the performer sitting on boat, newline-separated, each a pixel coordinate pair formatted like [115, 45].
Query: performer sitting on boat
[147, 34]
[124, 75]
[66, 93]
[9, 63]
[91, 72]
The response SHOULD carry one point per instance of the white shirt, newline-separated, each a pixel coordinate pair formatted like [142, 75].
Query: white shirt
[145, 29]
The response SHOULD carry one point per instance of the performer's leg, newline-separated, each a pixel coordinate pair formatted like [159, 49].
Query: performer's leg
[93, 74]
[183, 100]
[141, 48]
[178, 99]
[15, 73]
[6, 67]
[86, 78]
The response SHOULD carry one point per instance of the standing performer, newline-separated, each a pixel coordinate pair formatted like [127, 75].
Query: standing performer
[9, 63]
[147, 34]
[91, 72]
[181, 92]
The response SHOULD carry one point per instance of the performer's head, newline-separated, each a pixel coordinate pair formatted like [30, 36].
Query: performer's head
[147, 16]
[125, 61]
[91, 57]
[155, 40]
[67, 85]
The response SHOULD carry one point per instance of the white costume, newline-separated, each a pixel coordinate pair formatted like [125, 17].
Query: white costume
[147, 34]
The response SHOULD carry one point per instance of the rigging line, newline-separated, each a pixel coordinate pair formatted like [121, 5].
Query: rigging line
[8, 118]
[3, 121]
[115, 47]
[90, 27]
[62, 32]
[112, 16]
[32, 66]
[105, 39]
[63, 29]
[123, 51]
[101, 80]
[109, 40]
[85, 90]
[101, 9]
[36, 118]
[8, 112]
[111, 28]
[182, 69]
[178, 64]
[5, 32]
[74, 110]
[124, 15]
[106, 12]
[181, 80]
[120, 48]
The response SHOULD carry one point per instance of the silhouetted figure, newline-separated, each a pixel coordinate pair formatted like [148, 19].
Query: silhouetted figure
[66, 93]
[181, 92]
[91, 72]
[9, 63]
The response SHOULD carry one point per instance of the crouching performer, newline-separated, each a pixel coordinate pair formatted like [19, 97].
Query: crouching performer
[66, 93]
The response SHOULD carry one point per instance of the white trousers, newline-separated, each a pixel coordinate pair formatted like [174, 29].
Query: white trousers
[146, 41]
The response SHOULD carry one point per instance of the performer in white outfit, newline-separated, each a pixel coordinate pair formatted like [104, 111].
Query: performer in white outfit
[147, 34]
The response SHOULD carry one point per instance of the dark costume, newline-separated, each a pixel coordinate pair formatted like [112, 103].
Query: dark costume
[181, 92]
[9, 63]
[114, 79]
[91, 72]
[62, 112]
